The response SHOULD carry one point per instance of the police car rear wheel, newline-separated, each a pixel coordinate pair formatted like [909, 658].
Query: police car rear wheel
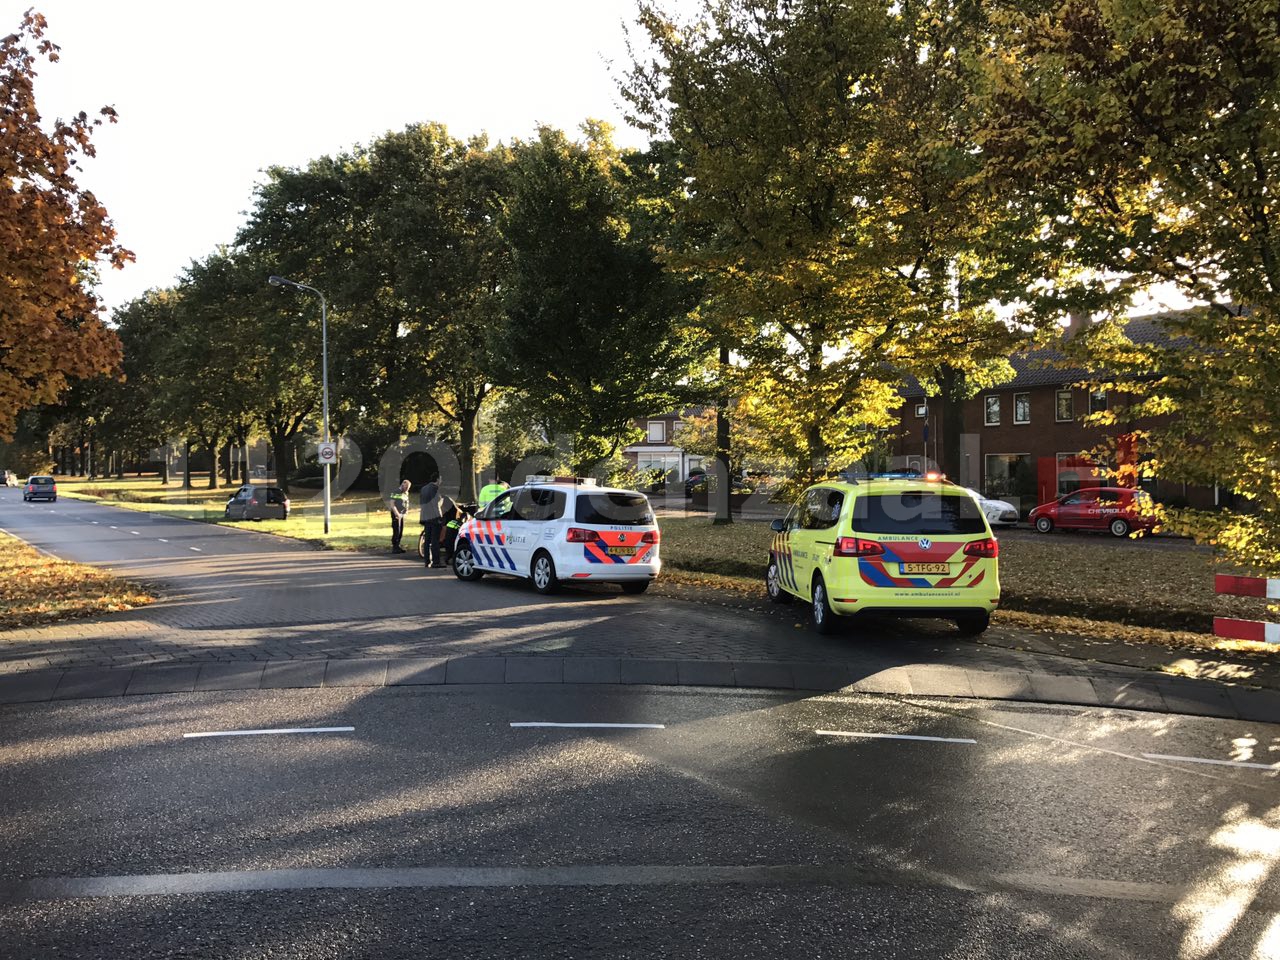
[773, 584]
[544, 574]
[824, 618]
[1044, 525]
[635, 586]
[1119, 528]
[464, 564]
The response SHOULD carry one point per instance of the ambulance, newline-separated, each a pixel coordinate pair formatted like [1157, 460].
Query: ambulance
[914, 546]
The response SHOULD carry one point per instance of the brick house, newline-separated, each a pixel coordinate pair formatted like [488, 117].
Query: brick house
[1023, 441]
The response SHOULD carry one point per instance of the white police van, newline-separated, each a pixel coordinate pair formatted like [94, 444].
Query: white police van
[556, 529]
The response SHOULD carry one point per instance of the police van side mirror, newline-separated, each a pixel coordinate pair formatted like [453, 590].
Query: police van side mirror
[778, 526]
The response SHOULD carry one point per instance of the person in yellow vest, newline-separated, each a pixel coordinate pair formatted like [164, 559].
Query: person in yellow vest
[490, 492]
[399, 508]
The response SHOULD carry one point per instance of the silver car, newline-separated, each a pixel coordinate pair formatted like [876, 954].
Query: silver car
[258, 502]
[998, 512]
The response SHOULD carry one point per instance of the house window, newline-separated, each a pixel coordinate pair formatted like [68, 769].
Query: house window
[1009, 475]
[1097, 401]
[677, 426]
[1022, 408]
[922, 410]
[1065, 406]
[1075, 471]
[657, 431]
[658, 465]
[992, 411]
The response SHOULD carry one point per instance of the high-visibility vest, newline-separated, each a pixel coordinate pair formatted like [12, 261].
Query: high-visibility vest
[403, 499]
[490, 492]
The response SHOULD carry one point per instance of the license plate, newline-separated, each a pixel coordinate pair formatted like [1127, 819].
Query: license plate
[622, 551]
[926, 568]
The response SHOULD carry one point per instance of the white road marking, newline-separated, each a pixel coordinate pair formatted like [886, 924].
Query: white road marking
[94, 522]
[891, 736]
[135, 533]
[600, 726]
[114, 527]
[1217, 763]
[196, 549]
[258, 733]
[162, 539]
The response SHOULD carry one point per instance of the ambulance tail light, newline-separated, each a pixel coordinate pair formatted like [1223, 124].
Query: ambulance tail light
[986, 549]
[857, 547]
[652, 536]
[579, 535]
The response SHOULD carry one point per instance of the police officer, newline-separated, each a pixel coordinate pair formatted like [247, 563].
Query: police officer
[432, 521]
[490, 492]
[399, 508]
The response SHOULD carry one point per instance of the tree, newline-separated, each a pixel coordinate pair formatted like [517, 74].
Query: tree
[832, 207]
[52, 234]
[594, 333]
[1149, 136]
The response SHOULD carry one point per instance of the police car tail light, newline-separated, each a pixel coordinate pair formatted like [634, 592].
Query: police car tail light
[579, 535]
[987, 549]
[651, 536]
[857, 547]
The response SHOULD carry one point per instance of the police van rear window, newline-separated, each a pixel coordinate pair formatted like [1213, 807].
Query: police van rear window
[917, 513]
[627, 509]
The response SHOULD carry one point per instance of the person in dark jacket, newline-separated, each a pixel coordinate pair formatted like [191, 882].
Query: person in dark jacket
[399, 508]
[432, 517]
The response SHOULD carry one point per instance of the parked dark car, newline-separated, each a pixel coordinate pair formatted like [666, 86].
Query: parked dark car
[258, 502]
[1118, 510]
[40, 488]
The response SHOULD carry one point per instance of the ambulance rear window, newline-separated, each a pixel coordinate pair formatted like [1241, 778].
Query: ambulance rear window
[918, 513]
[627, 509]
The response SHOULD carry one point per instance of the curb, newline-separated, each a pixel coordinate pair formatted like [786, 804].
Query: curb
[1170, 695]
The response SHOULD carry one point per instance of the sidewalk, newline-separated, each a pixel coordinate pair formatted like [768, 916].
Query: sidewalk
[1160, 694]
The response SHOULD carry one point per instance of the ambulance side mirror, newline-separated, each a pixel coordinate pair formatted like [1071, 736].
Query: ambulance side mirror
[778, 526]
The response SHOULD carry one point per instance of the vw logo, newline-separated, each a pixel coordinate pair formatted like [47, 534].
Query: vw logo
[925, 543]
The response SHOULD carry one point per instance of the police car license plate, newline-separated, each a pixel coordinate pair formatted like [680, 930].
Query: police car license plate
[926, 568]
[623, 551]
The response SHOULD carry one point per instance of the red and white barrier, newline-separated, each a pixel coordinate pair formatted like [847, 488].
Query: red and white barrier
[1256, 630]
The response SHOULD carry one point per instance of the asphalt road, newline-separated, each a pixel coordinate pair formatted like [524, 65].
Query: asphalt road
[732, 828]
[232, 593]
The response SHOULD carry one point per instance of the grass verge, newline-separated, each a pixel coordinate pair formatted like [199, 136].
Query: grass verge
[36, 588]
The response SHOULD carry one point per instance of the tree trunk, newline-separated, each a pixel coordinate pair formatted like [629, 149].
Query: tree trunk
[164, 466]
[119, 464]
[724, 483]
[952, 383]
[212, 447]
[186, 464]
[467, 455]
[280, 454]
[226, 463]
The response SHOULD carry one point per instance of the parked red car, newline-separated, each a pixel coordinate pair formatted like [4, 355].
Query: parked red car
[1119, 510]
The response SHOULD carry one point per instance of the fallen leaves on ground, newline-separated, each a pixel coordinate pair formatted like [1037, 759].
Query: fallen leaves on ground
[36, 588]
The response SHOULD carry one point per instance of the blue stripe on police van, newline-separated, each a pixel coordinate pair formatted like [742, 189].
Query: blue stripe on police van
[506, 556]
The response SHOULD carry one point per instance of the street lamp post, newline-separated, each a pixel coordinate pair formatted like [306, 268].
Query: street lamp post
[324, 375]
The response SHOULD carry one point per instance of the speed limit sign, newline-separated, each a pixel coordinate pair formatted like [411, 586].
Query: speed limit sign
[328, 453]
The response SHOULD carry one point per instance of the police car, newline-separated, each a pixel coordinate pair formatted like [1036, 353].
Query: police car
[905, 546]
[556, 529]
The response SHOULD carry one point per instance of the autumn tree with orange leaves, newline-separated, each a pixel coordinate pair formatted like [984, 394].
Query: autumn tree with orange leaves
[53, 234]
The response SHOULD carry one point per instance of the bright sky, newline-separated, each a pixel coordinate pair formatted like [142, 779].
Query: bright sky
[209, 94]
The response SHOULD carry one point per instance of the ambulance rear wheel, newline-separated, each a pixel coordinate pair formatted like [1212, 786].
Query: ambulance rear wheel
[973, 624]
[464, 563]
[773, 583]
[543, 573]
[824, 618]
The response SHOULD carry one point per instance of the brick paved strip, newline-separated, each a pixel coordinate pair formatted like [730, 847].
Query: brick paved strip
[1164, 694]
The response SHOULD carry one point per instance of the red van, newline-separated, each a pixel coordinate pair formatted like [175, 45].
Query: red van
[1119, 510]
